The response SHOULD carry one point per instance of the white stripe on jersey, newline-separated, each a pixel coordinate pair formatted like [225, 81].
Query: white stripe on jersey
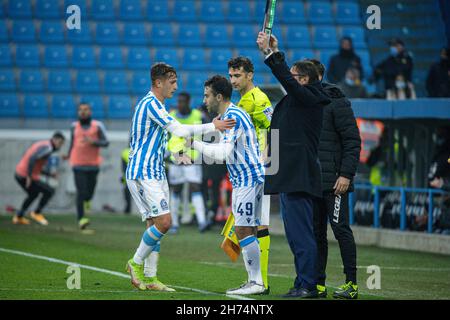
[244, 164]
[148, 140]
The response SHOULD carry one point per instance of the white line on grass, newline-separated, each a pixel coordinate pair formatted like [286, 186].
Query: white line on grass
[114, 273]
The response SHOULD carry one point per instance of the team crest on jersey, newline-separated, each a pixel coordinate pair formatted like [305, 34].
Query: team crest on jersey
[164, 205]
[268, 112]
[154, 210]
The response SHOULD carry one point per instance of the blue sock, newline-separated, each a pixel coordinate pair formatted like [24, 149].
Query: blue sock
[150, 240]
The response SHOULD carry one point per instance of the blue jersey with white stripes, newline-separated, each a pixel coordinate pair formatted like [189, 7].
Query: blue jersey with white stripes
[148, 140]
[244, 164]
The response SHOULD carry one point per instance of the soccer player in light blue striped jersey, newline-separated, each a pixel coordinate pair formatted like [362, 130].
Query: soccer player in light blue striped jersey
[239, 148]
[145, 173]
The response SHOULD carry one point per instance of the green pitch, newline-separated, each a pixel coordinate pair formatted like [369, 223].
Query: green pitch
[190, 261]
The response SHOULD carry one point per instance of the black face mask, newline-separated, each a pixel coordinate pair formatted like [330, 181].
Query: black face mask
[85, 121]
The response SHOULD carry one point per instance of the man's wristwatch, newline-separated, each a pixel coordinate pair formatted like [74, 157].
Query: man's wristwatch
[267, 51]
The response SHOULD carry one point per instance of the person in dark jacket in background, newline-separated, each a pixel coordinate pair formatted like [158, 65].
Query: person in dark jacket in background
[438, 79]
[345, 59]
[398, 63]
[298, 120]
[339, 149]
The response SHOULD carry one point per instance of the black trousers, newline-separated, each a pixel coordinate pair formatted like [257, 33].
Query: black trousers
[85, 182]
[334, 209]
[36, 188]
[127, 196]
[297, 212]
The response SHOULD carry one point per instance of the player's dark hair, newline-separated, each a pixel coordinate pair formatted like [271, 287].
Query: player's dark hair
[307, 68]
[185, 94]
[244, 62]
[161, 70]
[319, 65]
[59, 135]
[220, 85]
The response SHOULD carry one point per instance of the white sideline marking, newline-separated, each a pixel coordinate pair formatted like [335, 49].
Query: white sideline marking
[114, 273]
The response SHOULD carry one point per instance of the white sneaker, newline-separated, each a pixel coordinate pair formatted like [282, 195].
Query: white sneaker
[248, 288]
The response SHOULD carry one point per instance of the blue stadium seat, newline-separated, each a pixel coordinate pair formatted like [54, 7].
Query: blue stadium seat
[107, 33]
[239, 11]
[119, 107]
[189, 35]
[135, 34]
[130, 10]
[19, 8]
[55, 57]
[27, 56]
[219, 60]
[347, 12]
[217, 36]
[23, 31]
[5, 56]
[259, 78]
[292, 12]
[194, 59]
[83, 57]
[139, 58]
[7, 80]
[2, 10]
[81, 36]
[96, 104]
[157, 10]
[35, 106]
[169, 56]
[211, 11]
[87, 82]
[52, 32]
[357, 35]
[63, 107]
[115, 82]
[325, 37]
[244, 36]
[325, 56]
[102, 10]
[48, 9]
[299, 37]
[59, 81]
[9, 106]
[31, 81]
[194, 82]
[301, 54]
[141, 83]
[255, 56]
[111, 58]
[365, 57]
[80, 3]
[320, 12]
[184, 11]
[162, 34]
[4, 36]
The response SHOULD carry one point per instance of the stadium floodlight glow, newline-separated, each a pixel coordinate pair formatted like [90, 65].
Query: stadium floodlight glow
[269, 16]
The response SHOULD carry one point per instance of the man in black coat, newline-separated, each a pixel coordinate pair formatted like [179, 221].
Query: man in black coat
[298, 119]
[398, 63]
[339, 149]
[345, 59]
[438, 79]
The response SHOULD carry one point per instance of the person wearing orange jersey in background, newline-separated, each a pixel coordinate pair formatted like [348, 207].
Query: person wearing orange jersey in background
[27, 174]
[87, 137]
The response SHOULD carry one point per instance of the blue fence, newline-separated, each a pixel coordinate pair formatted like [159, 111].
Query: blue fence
[403, 191]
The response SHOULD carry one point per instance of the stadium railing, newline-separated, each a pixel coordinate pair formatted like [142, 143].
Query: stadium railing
[403, 191]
